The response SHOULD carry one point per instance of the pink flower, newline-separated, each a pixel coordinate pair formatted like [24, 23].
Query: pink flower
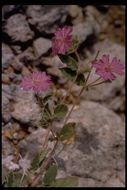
[37, 81]
[107, 69]
[62, 40]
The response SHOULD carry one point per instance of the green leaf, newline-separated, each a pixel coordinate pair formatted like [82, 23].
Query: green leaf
[60, 111]
[74, 45]
[66, 182]
[50, 175]
[71, 75]
[4, 174]
[68, 73]
[14, 178]
[10, 180]
[67, 133]
[80, 80]
[46, 98]
[37, 160]
[69, 61]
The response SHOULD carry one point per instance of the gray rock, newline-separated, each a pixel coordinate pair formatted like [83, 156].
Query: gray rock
[41, 46]
[7, 56]
[25, 108]
[76, 13]
[99, 149]
[17, 65]
[6, 115]
[44, 17]
[33, 143]
[7, 147]
[18, 29]
[85, 29]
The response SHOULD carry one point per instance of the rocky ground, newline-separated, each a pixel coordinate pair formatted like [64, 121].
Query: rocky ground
[97, 156]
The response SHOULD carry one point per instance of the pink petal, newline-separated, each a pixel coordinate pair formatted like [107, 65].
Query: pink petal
[117, 67]
[105, 59]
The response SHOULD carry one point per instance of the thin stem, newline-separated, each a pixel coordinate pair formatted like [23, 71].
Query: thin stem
[77, 55]
[79, 60]
[98, 83]
[46, 139]
[80, 93]
[91, 66]
[94, 81]
[43, 167]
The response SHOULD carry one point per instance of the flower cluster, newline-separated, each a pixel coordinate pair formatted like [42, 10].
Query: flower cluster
[107, 69]
[62, 40]
[61, 43]
[37, 81]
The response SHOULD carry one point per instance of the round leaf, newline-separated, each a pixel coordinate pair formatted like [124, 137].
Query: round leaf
[66, 182]
[68, 73]
[69, 61]
[50, 175]
[60, 111]
[80, 80]
[67, 133]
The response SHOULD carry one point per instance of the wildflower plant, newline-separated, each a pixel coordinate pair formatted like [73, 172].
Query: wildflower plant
[42, 171]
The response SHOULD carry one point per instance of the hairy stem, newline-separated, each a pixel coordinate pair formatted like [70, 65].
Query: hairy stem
[43, 167]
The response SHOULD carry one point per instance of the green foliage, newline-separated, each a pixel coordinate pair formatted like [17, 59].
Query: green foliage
[47, 97]
[37, 160]
[68, 73]
[67, 133]
[71, 75]
[60, 111]
[65, 182]
[14, 179]
[80, 79]
[50, 175]
[46, 117]
[74, 45]
[4, 174]
[69, 61]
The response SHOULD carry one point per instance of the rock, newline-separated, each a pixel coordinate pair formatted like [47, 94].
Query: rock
[16, 49]
[26, 57]
[45, 17]
[7, 147]
[25, 108]
[33, 143]
[7, 56]
[6, 115]
[41, 46]
[76, 13]
[25, 71]
[85, 29]
[16, 64]
[117, 103]
[18, 29]
[5, 78]
[98, 153]
[15, 77]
